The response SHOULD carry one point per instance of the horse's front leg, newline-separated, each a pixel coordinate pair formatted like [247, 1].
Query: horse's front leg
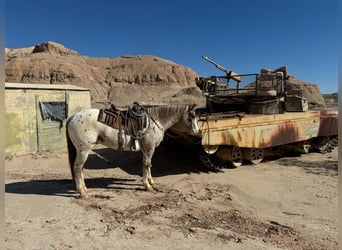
[147, 165]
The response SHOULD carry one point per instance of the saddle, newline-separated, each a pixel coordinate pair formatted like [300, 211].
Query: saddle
[132, 121]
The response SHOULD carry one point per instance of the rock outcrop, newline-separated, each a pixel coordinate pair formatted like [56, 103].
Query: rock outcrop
[53, 48]
[308, 90]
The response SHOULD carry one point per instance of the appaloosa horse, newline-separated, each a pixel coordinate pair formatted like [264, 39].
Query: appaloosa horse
[84, 131]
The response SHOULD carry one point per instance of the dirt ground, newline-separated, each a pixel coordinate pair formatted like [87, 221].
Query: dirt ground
[285, 203]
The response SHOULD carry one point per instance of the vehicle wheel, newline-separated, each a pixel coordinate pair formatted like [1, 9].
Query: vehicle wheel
[236, 156]
[254, 155]
[227, 156]
[224, 157]
[334, 142]
[306, 147]
[303, 147]
[325, 144]
[210, 149]
[212, 161]
[322, 144]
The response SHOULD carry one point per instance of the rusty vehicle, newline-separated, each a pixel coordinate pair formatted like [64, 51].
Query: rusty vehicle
[251, 116]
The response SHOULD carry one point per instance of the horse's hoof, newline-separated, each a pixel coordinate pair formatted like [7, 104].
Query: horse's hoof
[84, 195]
[149, 188]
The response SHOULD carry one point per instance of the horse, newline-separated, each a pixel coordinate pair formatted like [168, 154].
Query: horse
[84, 131]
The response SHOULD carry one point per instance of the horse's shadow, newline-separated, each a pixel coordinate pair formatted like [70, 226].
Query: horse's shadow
[166, 161]
[66, 188]
[58, 187]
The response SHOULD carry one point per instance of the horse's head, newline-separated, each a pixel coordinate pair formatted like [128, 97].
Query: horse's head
[188, 122]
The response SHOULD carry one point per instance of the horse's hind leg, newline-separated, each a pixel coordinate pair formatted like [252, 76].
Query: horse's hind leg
[78, 170]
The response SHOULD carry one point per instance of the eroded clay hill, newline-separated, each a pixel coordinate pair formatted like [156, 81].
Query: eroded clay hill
[121, 80]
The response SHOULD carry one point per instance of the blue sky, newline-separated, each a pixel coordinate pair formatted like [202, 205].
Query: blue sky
[244, 35]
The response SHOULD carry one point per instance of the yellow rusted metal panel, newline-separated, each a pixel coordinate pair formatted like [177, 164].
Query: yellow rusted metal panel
[262, 131]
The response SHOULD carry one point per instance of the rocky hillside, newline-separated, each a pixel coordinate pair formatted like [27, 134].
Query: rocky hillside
[305, 89]
[121, 80]
[52, 63]
[331, 100]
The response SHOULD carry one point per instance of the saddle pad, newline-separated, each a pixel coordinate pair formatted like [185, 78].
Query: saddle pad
[123, 121]
[110, 118]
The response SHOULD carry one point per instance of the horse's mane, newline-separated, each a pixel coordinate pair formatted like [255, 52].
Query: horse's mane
[162, 113]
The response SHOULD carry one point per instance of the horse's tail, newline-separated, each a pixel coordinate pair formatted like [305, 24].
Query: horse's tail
[71, 151]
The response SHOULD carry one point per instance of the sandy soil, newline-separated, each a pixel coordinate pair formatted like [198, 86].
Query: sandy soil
[286, 203]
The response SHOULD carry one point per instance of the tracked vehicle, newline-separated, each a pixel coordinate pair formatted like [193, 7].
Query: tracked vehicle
[249, 117]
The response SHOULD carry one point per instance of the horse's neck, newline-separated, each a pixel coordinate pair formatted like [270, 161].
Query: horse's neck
[166, 120]
[168, 123]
